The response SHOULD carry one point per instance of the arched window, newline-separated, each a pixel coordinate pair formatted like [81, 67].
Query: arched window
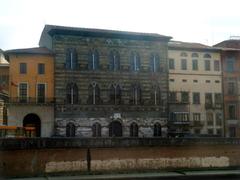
[135, 61]
[136, 95]
[72, 93]
[195, 55]
[207, 56]
[96, 130]
[114, 61]
[157, 130]
[70, 130]
[156, 95]
[154, 63]
[93, 60]
[134, 130]
[115, 94]
[183, 54]
[94, 94]
[71, 58]
[115, 129]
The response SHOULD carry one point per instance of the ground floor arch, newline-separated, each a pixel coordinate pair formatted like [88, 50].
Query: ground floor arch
[115, 129]
[33, 120]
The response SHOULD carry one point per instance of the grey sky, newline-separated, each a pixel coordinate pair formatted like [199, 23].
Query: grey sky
[205, 21]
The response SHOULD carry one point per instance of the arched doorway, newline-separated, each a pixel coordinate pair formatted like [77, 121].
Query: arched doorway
[115, 129]
[32, 120]
[70, 130]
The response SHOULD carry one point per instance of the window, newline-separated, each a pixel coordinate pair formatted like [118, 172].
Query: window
[232, 131]
[196, 117]
[134, 130]
[171, 80]
[23, 68]
[216, 65]
[218, 98]
[184, 80]
[157, 130]
[96, 130]
[207, 56]
[23, 92]
[114, 61]
[183, 54]
[136, 95]
[218, 119]
[210, 131]
[185, 97]
[195, 81]
[115, 94]
[217, 81]
[41, 68]
[197, 131]
[207, 65]
[70, 130]
[156, 96]
[194, 64]
[94, 94]
[196, 98]
[135, 61]
[230, 63]
[207, 81]
[71, 58]
[232, 88]
[232, 111]
[171, 64]
[219, 132]
[183, 64]
[93, 60]
[155, 63]
[210, 119]
[195, 55]
[208, 99]
[72, 93]
[172, 96]
[41, 93]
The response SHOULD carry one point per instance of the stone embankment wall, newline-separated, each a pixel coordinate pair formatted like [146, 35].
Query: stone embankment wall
[40, 156]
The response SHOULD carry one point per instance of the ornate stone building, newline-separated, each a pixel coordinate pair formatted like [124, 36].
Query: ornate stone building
[108, 83]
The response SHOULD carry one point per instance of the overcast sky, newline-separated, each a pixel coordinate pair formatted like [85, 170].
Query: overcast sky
[204, 21]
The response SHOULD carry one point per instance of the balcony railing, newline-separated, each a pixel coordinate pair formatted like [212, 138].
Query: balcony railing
[197, 123]
[213, 106]
[31, 100]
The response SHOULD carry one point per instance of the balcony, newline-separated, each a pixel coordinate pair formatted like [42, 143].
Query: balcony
[197, 123]
[209, 106]
[31, 100]
[175, 101]
[213, 106]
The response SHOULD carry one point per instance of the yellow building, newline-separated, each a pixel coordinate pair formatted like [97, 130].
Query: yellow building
[4, 77]
[195, 89]
[31, 89]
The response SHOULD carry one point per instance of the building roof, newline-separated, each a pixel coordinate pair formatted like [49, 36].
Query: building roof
[3, 61]
[88, 32]
[231, 43]
[190, 46]
[35, 50]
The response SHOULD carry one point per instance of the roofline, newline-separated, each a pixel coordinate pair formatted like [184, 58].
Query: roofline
[14, 51]
[195, 49]
[53, 30]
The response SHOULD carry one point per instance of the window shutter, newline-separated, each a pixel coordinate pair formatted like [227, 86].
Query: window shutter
[74, 59]
[68, 57]
[97, 60]
[90, 65]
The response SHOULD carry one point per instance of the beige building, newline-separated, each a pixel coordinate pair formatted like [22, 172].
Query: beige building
[195, 89]
[4, 77]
